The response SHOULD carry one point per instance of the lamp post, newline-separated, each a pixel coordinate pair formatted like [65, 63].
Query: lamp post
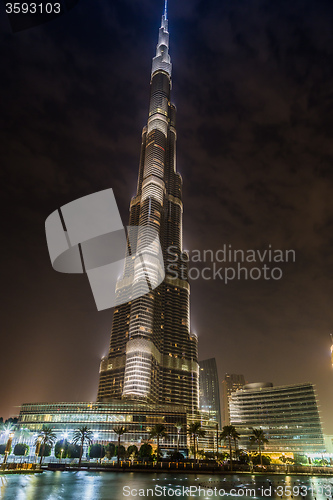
[37, 450]
[62, 451]
[8, 446]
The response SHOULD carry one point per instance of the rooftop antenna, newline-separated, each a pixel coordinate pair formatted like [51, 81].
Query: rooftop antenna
[165, 8]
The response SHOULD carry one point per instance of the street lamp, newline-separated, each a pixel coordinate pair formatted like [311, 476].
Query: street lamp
[8, 446]
[38, 443]
[62, 451]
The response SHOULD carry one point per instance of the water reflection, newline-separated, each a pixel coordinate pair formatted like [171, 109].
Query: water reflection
[84, 485]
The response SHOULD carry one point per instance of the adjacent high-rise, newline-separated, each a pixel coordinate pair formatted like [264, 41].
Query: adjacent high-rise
[209, 393]
[153, 354]
[231, 383]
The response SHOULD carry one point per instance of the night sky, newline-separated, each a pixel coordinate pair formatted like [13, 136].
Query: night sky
[253, 85]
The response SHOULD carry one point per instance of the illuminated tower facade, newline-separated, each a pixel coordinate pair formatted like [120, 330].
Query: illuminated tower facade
[153, 355]
[232, 382]
[209, 393]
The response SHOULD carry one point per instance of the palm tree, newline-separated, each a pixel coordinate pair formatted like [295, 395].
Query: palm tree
[229, 433]
[158, 431]
[44, 438]
[258, 437]
[6, 428]
[119, 430]
[195, 430]
[179, 427]
[82, 435]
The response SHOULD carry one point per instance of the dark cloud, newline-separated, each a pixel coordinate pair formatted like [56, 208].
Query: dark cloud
[253, 88]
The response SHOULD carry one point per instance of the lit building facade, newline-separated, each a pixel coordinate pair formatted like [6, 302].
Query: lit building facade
[209, 393]
[288, 415]
[232, 382]
[101, 418]
[153, 355]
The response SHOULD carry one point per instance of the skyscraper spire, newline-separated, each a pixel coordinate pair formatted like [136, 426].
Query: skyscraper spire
[162, 59]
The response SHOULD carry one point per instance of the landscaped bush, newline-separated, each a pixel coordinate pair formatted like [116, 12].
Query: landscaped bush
[110, 450]
[74, 451]
[177, 456]
[96, 451]
[301, 459]
[146, 451]
[63, 444]
[122, 451]
[266, 460]
[132, 451]
[2, 449]
[46, 452]
[21, 449]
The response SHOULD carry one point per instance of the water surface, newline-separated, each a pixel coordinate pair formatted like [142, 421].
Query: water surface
[84, 485]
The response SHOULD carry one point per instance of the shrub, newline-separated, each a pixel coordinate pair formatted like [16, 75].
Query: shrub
[21, 449]
[63, 444]
[47, 450]
[266, 460]
[301, 459]
[110, 450]
[146, 451]
[122, 451]
[132, 451]
[74, 451]
[96, 451]
[2, 449]
[176, 455]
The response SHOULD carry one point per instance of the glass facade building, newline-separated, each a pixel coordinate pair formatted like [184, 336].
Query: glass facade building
[153, 355]
[288, 415]
[101, 418]
[138, 418]
[209, 393]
